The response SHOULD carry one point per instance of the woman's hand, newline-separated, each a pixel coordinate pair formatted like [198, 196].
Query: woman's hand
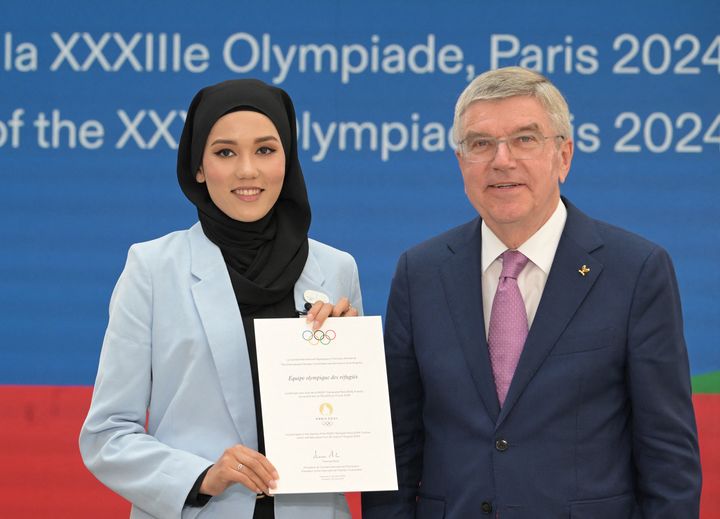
[240, 464]
[321, 311]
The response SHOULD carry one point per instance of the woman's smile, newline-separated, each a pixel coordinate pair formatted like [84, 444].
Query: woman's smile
[248, 194]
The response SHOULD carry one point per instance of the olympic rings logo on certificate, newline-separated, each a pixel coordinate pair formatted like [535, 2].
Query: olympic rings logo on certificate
[319, 336]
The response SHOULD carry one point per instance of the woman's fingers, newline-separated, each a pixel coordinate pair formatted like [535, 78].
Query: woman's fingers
[256, 467]
[318, 313]
[246, 476]
[321, 311]
[342, 308]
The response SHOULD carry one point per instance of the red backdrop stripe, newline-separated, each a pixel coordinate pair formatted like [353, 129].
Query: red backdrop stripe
[44, 477]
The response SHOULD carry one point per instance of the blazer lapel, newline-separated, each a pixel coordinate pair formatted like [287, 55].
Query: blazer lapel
[461, 280]
[311, 278]
[220, 316]
[565, 290]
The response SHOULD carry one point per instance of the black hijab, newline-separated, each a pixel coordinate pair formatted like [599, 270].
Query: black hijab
[264, 258]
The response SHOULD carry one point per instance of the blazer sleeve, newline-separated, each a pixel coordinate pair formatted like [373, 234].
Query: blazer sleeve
[113, 441]
[665, 446]
[406, 400]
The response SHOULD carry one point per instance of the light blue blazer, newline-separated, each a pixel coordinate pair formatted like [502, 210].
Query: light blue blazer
[175, 355]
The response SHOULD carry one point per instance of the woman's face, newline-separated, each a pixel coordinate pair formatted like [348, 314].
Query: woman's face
[243, 165]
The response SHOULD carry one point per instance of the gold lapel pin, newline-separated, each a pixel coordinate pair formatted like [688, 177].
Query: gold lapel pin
[584, 270]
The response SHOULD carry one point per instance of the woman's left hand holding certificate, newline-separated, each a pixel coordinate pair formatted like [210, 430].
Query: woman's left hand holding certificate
[240, 464]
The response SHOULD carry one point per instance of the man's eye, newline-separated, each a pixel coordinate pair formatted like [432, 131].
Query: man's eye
[526, 138]
[480, 143]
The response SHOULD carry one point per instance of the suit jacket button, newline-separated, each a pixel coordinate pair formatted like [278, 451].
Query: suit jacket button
[501, 445]
[486, 507]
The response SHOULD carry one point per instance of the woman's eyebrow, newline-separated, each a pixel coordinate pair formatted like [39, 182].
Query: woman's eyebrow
[266, 138]
[223, 141]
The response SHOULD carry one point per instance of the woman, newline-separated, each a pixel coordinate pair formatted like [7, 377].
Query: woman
[175, 423]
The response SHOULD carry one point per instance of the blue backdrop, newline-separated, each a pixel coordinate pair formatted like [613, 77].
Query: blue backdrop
[92, 100]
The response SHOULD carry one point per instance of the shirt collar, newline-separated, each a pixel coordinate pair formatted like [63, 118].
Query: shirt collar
[539, 248]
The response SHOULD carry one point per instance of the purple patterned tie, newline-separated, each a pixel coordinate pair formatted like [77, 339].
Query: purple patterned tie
[508, 323]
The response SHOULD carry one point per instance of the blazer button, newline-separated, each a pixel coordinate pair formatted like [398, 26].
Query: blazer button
[486, 507]
[501, 445]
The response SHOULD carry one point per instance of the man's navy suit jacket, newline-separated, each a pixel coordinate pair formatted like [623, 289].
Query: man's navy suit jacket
[598, 421]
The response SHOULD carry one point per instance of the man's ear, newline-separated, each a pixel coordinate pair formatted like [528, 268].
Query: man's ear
[566, 154]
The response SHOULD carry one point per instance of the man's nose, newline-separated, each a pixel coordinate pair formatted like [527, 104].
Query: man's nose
[503, 154]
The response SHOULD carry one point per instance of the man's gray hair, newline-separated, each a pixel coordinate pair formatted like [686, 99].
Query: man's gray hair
[510, 82]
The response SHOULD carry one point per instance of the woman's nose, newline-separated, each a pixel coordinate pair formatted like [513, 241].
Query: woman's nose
[246, 167]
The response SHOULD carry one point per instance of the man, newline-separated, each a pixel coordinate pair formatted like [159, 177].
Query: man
[548, 381]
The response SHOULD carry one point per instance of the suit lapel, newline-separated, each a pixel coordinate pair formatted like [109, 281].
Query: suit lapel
[461, 280]
[220, 316]
[565, 290]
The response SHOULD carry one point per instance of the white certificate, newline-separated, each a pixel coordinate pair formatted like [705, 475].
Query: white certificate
[325, 405]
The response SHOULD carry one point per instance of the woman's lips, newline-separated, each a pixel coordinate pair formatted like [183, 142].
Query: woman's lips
[247, 194]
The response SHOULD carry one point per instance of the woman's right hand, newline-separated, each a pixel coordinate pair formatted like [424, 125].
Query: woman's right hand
[239, 464]
[321, 311]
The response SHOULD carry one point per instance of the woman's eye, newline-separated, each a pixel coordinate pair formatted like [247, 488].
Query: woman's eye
[265, 150]
[224, 153]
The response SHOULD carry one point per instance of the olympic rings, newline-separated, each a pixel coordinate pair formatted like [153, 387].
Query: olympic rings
[319, 336]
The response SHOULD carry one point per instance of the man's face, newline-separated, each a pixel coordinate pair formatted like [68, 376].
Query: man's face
[515, 195]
